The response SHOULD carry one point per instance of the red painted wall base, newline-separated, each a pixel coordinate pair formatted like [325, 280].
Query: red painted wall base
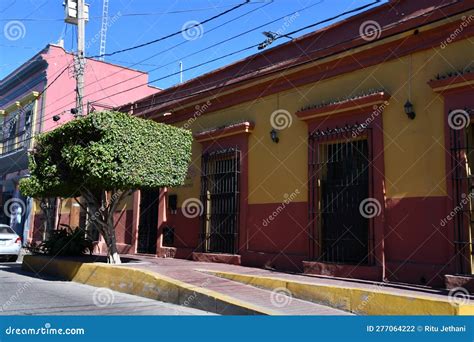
[219, 258]
[343, 271]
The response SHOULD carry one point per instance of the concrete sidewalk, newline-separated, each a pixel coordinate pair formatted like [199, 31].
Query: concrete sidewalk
[237, 290]
[302, 294]
[278, 300]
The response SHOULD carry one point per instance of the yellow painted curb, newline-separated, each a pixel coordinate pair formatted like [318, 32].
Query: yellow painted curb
[356, 300]
[142, 283]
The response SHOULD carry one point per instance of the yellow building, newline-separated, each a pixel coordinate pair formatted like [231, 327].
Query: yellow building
[345, 152]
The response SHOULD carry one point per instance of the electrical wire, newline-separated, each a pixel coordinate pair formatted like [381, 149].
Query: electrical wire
[145, 14]
[246, 2]
[272, 71]
[199, 51]
[253, 46]
[179, 44]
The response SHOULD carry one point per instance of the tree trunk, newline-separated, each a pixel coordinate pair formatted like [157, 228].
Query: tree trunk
[48, 208]
[104, 218]
[112, 254]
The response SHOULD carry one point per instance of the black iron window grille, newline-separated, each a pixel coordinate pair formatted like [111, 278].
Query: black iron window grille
[340, 179]
[462, 182]
[220, 196]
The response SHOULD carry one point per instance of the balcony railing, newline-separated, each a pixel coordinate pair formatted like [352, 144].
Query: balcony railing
[21, 141]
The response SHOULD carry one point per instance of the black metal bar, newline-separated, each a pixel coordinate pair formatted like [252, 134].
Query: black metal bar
[339, 181]
[220, 184]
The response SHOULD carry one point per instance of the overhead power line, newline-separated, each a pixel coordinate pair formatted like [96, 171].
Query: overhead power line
[199, 51]
[172, 47]
[225, 85]
[174, 33]
[358, 9]
[144, 14]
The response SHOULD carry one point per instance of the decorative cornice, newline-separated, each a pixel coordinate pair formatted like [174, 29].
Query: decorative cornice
[350, 104]
[18, 104]
[224, 131]
[455, 80]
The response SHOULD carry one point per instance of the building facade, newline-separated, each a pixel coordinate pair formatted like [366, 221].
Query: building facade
[346, 152]
[37, 97]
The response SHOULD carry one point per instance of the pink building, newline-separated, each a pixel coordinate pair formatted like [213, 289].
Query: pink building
[37, 97]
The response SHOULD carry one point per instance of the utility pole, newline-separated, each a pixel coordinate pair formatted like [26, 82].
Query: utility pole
[80, 60]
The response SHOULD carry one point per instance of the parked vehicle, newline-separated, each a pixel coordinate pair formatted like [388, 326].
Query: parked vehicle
[10, 243]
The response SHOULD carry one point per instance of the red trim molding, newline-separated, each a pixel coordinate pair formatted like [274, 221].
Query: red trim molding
[183, 110]
[350, 106]
[343, 271]
[232, 259]
[221, 132]
[456, 82]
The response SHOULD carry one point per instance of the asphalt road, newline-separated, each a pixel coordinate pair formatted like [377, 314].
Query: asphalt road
[23, 293]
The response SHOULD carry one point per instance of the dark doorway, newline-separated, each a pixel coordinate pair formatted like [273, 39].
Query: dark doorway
[220, 195]
[148, 222]
[340, 183]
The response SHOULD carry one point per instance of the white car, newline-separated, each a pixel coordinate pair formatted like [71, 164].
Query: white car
[10, 242]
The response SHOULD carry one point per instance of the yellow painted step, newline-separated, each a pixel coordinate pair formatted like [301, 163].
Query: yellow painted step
[357, 300]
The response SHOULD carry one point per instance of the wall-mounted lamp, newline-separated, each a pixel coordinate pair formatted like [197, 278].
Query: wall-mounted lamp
[409, 110]
[56, 118]
[274, 136]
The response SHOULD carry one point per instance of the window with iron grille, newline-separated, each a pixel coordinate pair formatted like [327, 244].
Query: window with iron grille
[340, 179]
[462, 175]
[220, 195]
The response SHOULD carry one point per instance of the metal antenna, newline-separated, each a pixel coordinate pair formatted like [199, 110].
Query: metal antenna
[103, 29]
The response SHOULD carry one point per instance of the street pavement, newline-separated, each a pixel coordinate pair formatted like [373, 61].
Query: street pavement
[23, 293]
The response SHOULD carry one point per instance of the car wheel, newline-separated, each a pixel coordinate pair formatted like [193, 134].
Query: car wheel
[13, 258]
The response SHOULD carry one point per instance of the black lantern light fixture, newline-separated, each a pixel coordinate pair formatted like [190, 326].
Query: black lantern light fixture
[274, 136]
[56, 118]
[409, 111]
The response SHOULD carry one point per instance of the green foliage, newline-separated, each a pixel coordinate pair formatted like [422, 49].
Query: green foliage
[65, 242]
[107, 150]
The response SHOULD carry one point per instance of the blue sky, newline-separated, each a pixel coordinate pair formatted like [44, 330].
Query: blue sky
[43, 23]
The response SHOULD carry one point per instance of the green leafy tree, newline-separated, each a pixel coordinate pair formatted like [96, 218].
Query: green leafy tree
[104, 157]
